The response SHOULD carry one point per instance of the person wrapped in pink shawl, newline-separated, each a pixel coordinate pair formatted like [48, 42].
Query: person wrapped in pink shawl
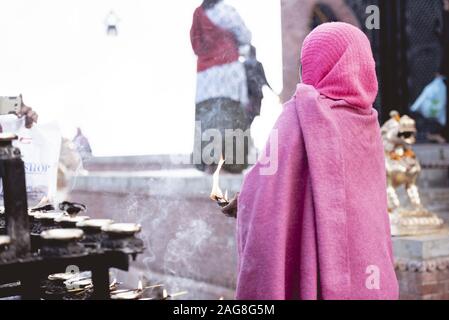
[312, 213]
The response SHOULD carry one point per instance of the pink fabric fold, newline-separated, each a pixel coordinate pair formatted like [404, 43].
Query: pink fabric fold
[318, 228]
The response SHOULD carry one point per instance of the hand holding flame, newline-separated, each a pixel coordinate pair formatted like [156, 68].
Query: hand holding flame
[216, 193]
[229, 208]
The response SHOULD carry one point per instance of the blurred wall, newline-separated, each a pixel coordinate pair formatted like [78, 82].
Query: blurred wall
[296, 23]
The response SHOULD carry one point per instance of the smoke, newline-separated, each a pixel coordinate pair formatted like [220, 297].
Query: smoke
[186, 243]
[183, 248]
[176, 228]
[135, 214]
[170, 249]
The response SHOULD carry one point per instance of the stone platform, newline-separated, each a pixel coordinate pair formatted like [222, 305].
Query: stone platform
[422, 266]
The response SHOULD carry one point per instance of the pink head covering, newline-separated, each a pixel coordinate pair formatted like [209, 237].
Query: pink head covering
[337, 60]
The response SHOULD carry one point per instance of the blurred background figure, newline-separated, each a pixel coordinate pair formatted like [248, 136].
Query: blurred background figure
[257, 79]
[111, 22]
[322, 13]
[82, 144]
[444, 70]
[69, 168]
[430, 108]
[217, 35]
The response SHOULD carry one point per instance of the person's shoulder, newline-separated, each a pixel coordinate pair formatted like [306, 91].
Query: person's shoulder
[197, 11]
[288, 127]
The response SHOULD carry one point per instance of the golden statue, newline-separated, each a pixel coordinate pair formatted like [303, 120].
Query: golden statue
[403, 169]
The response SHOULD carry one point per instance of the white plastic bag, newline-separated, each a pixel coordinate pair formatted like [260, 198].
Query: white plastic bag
[432, 101]
[40, 147]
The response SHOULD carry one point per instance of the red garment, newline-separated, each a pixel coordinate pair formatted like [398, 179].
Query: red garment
[213, 45]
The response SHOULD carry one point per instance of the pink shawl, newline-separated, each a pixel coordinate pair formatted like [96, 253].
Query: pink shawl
[318, 228]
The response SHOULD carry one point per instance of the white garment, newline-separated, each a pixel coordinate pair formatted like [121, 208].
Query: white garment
[228, 80]
[227, 17]
[112, 19]
[225, 81]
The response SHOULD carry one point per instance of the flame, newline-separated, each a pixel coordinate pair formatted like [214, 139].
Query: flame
[216, 193]
[113, 284]
[164, 294]
[140, 286]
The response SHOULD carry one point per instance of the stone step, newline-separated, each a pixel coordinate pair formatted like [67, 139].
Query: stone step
[138, 163]
[172, 183]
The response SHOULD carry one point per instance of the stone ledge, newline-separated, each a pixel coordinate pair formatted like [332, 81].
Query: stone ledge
[433, 155]
[138, 163]
[422, 247]
[168, 183]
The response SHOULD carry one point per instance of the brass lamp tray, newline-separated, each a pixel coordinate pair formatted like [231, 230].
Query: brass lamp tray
[70, 219]
[122, 228]
[94, 223]
[62, 234]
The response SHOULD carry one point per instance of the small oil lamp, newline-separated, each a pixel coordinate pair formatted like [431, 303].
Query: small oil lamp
[43, 206]
[58, 242]
[92, 231]
[67, 221]
[72, 208]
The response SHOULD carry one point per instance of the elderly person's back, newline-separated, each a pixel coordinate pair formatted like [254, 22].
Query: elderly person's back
[318, 226]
